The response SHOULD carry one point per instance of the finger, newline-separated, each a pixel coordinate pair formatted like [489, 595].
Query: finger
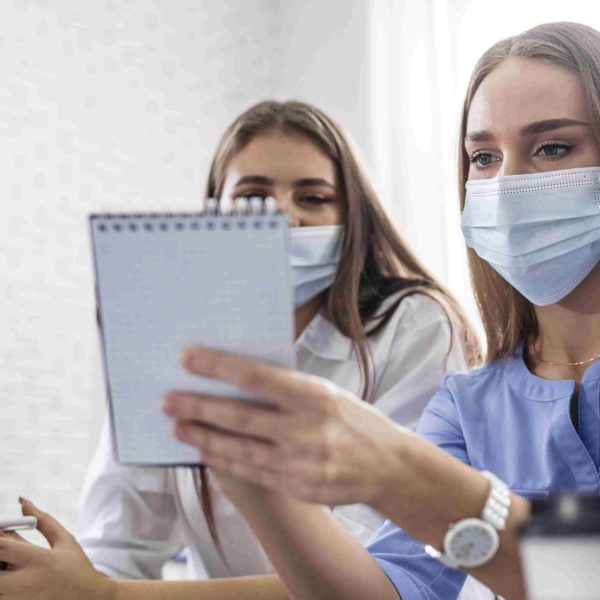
[11, 584]
[262, 476]
[15, 536]
[3, 565]
[284, 387]
[47, 525]
[14, 552]
[224, 445]
[272, 479]
[235, 415]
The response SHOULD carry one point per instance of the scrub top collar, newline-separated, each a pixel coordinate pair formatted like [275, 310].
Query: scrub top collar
[322, 338]
[527, 384]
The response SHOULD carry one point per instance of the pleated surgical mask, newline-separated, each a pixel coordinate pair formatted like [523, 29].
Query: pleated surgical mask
[540, 232]
[315, 254]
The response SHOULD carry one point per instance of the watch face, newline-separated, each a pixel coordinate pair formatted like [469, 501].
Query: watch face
[471, 542]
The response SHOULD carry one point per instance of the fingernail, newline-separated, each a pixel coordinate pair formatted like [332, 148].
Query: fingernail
[168, 405]
[191, 357]
[187, 355]
[29, 503]
[181, 430]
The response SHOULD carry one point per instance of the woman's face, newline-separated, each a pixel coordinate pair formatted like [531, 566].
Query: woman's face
[529, 116]
[291, 169]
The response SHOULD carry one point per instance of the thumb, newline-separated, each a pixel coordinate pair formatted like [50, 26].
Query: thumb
[47, 525]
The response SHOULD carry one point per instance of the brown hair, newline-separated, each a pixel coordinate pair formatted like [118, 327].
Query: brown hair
[375, 263]
[508, 317]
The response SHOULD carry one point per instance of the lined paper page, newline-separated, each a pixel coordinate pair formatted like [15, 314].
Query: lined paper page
[167, 282]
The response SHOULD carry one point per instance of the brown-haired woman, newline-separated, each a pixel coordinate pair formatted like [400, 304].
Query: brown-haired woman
[369, 318]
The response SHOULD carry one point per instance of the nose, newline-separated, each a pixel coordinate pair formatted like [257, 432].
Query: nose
[285, 203]
[514, 164]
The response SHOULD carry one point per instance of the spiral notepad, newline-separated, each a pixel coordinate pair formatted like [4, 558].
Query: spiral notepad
[167, 281]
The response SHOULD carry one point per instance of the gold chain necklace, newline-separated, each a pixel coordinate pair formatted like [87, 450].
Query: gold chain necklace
[554, 363]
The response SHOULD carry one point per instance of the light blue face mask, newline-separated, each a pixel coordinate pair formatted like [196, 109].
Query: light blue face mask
[315, 254]
[541, 232]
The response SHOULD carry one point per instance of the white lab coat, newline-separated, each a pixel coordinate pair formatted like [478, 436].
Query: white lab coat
[133, 519]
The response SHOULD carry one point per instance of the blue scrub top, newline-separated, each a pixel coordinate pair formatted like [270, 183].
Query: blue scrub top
[500, 418]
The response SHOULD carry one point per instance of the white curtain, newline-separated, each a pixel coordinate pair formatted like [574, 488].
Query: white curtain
[415, 100]
[421, 54]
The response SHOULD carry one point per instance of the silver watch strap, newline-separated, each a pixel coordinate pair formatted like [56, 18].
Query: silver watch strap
[495, 511]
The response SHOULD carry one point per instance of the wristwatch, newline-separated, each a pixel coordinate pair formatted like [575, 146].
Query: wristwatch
[473, 542]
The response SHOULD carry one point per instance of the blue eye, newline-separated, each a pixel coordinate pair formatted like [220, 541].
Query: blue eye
[550, 150]
[481, 159]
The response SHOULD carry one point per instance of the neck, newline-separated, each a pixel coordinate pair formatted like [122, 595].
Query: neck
[304, 314]
[569, 331]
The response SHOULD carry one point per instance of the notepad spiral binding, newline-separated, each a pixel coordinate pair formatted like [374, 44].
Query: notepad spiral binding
[254, 210]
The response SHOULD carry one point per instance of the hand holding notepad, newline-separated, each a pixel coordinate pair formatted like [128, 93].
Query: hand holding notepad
[168, 281]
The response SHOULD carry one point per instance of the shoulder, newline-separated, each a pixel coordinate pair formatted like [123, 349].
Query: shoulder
[467, 404]
[414, 321]
[471, 383]
[487, 372]
[416, 310]
[422, 324]
[415, 348]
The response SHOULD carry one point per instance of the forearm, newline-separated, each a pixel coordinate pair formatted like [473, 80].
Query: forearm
[259, 587]
[316, 558]
[413, 497]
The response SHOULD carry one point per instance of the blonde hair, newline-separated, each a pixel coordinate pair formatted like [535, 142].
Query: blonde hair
[507, 316]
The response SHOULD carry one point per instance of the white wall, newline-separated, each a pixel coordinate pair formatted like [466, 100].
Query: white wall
[325, 59]
[118, 105]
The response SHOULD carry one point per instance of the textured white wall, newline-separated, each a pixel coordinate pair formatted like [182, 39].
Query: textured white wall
[325, 58]
[118, 105]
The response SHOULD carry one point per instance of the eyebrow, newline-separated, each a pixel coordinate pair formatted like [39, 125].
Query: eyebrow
[262, 180]
[531, 129]
[551, 124]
